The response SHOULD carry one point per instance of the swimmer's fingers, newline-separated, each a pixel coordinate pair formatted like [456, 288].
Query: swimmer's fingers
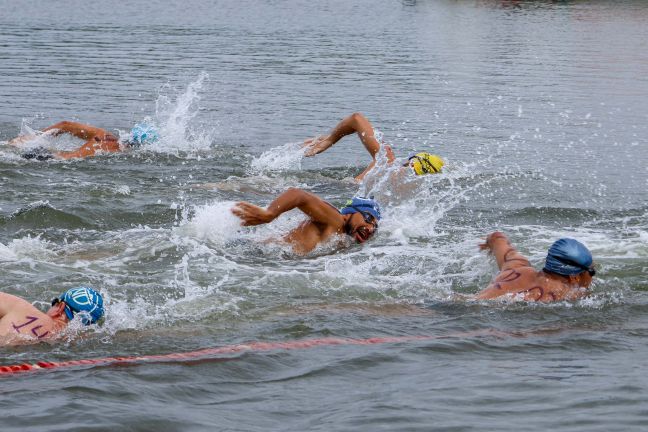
[389, 153]
[20, 140]
[316, 145]
[250, 214]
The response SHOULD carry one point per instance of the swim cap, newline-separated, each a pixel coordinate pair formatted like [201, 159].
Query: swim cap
[143, 133]
[360, 204]
[85, 301]
[426, 163]
[568, 257]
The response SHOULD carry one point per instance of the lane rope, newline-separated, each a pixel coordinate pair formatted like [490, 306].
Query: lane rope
[218, 353]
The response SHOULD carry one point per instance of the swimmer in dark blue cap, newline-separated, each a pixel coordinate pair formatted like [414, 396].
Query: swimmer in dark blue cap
[20, 321]
[358, 218]
[97, 140]
[567, 274]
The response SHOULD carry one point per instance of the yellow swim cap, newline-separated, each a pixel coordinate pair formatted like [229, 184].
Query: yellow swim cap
[425, 163]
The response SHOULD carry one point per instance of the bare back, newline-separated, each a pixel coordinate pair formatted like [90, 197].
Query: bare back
[518, 277]
[21, 320]
[530, 285]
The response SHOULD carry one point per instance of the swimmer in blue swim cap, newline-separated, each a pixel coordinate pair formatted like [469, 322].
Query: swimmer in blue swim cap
[567, 273]
[97, 140]
[420, 163]
[21, 322]
[357, 219]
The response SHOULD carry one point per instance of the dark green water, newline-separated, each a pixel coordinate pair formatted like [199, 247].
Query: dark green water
[539, 109]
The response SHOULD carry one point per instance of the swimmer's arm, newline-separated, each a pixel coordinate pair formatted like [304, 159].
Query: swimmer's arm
[87, 149]
[357, 123]
[318, 209]
[506, 255]
[390, 159]
[78, 130]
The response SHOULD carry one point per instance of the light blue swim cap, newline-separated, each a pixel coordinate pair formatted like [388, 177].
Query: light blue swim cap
[143, 133]
[360, 204]
[84, 301]
[568, 257]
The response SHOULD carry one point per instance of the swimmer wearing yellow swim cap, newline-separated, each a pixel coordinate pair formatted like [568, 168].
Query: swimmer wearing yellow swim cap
[424, 163]
[421, 163]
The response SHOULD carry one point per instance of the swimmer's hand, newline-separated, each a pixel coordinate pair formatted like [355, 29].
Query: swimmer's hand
[488, 241]
[389, 153]
[251, 214]
[16, 142]
[39, 153]
[317, 145]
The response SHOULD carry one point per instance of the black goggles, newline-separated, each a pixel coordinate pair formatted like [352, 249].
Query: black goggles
[67, 306]
[426, 165]
[368, 217]
[591, 270]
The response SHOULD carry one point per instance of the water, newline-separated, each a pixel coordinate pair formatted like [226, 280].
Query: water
[539, 109]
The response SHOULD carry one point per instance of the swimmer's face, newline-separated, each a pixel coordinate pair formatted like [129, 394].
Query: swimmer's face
[585, 279]
[363, 226]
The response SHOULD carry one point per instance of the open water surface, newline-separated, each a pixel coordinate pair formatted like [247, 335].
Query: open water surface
[539, 109]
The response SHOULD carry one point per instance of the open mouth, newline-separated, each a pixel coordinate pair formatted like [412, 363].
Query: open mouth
[362, 234]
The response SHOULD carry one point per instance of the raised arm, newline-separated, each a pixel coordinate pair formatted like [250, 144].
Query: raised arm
[315, 207]
[506, 255]
[355, 123]
[79, 130]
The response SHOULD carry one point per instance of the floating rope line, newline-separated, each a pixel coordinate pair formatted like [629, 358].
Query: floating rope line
[206, 354]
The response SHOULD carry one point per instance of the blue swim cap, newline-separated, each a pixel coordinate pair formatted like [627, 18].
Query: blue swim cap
[568, 257]
[85, 301]
[143, 133]
[359, 204]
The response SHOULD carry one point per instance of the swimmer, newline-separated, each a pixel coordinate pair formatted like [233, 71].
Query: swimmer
[20, 321]
[567, 274]
[97, 140]
[419, 163]
[357, 219]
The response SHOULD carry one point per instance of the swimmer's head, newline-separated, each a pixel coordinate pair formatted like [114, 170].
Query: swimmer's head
[143, 133]
[425, 163]
[85, 302]
[569, 257]
[361, 229]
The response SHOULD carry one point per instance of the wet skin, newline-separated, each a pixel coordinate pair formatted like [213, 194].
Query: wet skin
[323, 221]
[97, 140]
[517, 277]
[20, 321]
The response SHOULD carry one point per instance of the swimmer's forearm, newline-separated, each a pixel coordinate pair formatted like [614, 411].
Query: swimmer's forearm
[292, 198]
[312, 205]
[505, 253]
[362, 175]
[78, 130]
[498, 244]
[356, 123]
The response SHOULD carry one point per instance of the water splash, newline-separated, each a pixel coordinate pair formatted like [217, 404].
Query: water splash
[282, 158]
[176, 118]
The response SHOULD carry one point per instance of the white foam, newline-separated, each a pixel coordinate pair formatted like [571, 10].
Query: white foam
[214, 223]
[282, 158]
[176, 118]
[30, 248]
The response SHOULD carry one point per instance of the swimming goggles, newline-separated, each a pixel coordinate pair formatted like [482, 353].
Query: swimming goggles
[426, 165]
[591, 270]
